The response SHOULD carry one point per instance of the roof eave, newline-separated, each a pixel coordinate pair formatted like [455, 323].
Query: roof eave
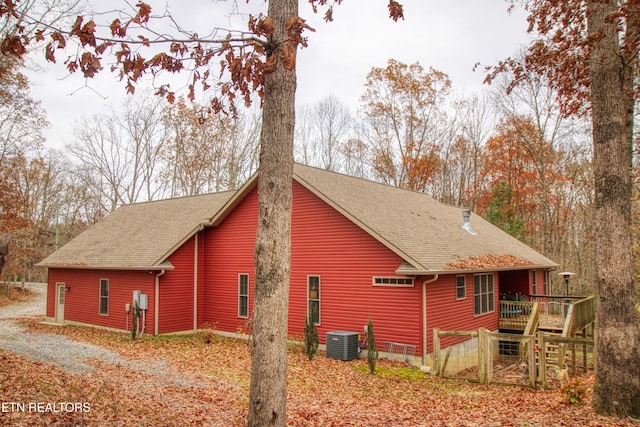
[421, 272]
[107, 267]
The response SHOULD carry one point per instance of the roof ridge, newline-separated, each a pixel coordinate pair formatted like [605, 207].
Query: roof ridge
[389, 186]
[169, 199]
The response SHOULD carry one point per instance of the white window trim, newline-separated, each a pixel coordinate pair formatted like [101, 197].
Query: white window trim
[100, 297]
[392, 281]
[534, 282]
[319, 297]
[464, 276]
[493, 285]
[241, 316]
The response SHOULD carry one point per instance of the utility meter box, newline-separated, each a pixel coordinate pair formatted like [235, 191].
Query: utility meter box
[144, 302]
[136, 299]
[141, 299]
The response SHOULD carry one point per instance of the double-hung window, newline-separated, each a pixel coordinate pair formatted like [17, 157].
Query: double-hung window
[104, 297]
[534, 282]
[461, 287]
[483, 301]
[313, 295]
[243, 295]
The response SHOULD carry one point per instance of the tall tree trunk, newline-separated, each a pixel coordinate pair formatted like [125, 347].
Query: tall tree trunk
[617, 388]
[268, 389]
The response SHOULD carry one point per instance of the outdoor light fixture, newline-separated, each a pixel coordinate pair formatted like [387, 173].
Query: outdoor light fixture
[67, 288]
[566, 275]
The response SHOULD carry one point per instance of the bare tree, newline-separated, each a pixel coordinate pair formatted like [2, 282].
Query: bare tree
[322, 129]
[118, 153]
[205, 153]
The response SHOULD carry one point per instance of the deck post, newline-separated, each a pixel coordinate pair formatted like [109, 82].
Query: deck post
[482, 356]
[436, 351]
[542, 359]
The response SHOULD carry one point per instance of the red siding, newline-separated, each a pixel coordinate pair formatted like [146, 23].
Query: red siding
[176, 291]
[229, 252]
[346, 258]
[83, 298]
[446, 312]
[326, 244]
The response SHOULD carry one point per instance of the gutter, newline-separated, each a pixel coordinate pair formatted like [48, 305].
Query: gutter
[488, 269]
[424, 318]
[161, 267]
[156, 303]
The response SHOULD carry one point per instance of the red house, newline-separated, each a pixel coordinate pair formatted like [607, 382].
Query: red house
[360, 250]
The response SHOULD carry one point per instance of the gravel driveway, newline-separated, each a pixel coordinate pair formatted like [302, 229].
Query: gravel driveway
[68, 354]
[52, 348]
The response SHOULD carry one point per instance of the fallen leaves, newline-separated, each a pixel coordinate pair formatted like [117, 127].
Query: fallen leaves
[323, 391]
[12, 294]
[487, 261]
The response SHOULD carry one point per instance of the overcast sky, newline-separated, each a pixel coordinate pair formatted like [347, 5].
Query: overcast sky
[448, 35]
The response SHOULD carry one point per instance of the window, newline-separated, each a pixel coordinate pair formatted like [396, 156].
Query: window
[461, 287]
[534, 282]
[392, 281]
[483, 293]
[243, 295]
[544, 281]
[104, 297]
[313, 286]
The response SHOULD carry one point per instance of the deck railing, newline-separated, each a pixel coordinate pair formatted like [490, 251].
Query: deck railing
[554, 305]
[514, 315]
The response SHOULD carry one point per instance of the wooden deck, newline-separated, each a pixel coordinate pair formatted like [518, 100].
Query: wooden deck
[551, 315]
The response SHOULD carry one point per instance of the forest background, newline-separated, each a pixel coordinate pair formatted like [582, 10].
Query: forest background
[512, 158]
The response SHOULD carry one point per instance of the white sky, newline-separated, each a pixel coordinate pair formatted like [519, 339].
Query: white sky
[448, 35]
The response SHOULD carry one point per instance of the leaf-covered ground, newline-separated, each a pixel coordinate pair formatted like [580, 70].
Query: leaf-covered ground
[12, 294]
[205, 380]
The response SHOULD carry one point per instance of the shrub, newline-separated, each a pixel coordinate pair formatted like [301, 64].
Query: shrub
[311, 340]
[135, 319]
[372, 350]
[574, 391]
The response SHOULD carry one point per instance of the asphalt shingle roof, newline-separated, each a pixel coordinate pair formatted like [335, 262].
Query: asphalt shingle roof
[428, 235]
[138, 236]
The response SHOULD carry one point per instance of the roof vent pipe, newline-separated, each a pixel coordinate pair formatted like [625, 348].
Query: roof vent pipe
[466, 222]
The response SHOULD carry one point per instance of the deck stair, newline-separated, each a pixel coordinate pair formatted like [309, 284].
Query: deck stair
[551, 319]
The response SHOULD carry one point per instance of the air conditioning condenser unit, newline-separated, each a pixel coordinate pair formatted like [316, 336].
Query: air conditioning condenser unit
[342, 345]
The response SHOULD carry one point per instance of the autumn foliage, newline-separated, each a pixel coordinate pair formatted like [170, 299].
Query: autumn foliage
[235, 64]
[183, 380]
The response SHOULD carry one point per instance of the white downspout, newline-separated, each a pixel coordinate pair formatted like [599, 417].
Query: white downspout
[195, 283]
[424, 318]
[156, 302]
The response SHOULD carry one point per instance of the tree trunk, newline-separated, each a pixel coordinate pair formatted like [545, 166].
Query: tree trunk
[268, 390]
[617, 388]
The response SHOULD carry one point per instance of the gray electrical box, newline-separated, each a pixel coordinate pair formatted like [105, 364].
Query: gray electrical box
[141, 299]
[136, 299]
[144, 302]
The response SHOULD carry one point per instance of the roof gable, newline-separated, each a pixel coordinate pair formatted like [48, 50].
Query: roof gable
[427, 234]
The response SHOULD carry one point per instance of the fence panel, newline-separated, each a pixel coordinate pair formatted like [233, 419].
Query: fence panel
[460, 360]
[511, 359]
